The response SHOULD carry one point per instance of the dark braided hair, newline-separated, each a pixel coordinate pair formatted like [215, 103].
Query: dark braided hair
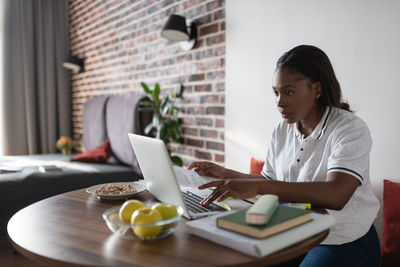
[313, 63]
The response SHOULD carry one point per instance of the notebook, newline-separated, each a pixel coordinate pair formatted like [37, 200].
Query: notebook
[283, 218]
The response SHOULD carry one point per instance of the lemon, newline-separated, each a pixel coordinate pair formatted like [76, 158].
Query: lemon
[128, 208]
[146, 216]
[167, 211]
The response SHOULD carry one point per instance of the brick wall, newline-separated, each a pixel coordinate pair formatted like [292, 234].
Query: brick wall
[122, 45]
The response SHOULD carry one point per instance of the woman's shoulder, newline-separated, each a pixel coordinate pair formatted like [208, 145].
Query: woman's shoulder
[346, 121]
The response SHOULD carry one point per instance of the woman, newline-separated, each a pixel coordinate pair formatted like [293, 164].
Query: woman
[319, 154]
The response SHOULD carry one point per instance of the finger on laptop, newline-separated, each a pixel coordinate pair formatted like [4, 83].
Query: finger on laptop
[197, 164]
[212, 184]
[213, 196]
[224, 196]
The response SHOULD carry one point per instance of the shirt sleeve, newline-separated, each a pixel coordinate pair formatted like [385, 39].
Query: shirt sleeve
[268, 170]
[351, 150]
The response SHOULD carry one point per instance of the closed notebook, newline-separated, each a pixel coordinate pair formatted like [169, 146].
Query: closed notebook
[284, 218]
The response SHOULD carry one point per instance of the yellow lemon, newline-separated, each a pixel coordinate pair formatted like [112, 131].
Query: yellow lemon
[128, 208]
[146, 216]
[167, 211]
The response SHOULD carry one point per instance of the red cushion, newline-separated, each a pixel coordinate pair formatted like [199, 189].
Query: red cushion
[256, 166]
[391, 224]
[97, 155]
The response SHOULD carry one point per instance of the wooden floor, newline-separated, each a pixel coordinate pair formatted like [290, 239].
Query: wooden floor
[12, 258]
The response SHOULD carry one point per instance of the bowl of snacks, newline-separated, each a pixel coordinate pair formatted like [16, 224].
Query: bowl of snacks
[134, 220]
[116, 191]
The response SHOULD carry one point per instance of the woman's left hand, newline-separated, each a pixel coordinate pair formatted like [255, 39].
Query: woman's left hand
[236, 188]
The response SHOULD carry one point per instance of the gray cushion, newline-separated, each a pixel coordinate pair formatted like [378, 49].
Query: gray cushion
[94, 123]
[123, 117]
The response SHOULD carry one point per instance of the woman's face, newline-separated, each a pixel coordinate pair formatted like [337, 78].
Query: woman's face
[295, 95]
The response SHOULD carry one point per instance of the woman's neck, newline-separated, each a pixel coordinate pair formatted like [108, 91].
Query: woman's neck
[307, 125]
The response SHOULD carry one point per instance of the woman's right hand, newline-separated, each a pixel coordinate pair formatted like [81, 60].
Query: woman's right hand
[209, 169]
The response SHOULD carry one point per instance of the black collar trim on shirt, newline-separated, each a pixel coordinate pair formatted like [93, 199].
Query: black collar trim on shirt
[323, 125]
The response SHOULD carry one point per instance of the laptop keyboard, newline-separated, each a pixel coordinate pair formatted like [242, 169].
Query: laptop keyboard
[192, 202]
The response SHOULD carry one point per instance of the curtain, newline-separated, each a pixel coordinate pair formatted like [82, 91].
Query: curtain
[36, 89]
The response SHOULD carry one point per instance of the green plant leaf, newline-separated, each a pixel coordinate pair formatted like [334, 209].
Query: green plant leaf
[146, 103]
[177, 160]
[165, 105]
[146, 88]
[156, 93]
[164, 134]
[179, 91]
[145, 109]
[175, 111]
[148, 128]
[156, 121]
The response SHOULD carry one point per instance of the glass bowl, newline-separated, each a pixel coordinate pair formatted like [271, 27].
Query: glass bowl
[135, 231]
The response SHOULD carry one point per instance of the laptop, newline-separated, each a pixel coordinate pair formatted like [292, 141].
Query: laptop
[156, 166]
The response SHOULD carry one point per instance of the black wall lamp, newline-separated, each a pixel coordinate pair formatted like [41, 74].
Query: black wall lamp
[176, 30]
[75, 64]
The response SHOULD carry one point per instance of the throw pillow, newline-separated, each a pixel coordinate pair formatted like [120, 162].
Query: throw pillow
[97, 155]
[391, 224]
[256, 166]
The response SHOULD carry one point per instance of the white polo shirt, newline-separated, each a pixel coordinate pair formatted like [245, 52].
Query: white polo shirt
[341, 142]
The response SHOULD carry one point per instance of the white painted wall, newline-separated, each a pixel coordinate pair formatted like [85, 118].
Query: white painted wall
[362, 39]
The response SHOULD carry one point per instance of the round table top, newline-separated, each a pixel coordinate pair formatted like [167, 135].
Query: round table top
[68, 229]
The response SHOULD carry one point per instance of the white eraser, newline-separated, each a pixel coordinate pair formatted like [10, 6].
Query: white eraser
[262, 210]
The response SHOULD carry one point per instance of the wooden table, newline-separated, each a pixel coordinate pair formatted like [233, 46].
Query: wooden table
[68, 230]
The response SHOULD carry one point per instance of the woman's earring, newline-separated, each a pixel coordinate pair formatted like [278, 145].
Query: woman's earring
[318, 96]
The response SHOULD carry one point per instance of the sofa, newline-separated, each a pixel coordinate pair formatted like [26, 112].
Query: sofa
[105, 119]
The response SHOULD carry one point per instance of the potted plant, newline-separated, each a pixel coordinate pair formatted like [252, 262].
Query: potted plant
[165, 124]
[65, 145]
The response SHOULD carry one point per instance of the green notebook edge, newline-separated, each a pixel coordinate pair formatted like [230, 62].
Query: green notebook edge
[284, 218]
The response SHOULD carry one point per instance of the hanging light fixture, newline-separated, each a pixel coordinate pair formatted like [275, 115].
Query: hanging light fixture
[75, 64]
[176, 30]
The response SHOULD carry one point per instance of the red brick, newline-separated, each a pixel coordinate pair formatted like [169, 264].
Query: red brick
[204, 122]
[219, 123]
[190, 131]
[215, 146]
[219, 158]
[219, 87]
[219, 51]
[193, 110]
[185, 150]
[196, 77]
[215, 110]
[209, 29]
[203, 155]
[204, 19]
[187, 121]
[214, 4]
[222, 136]
[216, 75]
[204, 54]
[202, 88]
[220, 14]
[217, 39]
[209, 99]
[209, 133]
[192, 99]
[194, 142]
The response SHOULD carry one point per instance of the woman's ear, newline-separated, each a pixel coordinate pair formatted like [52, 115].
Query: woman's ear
[317, 89]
